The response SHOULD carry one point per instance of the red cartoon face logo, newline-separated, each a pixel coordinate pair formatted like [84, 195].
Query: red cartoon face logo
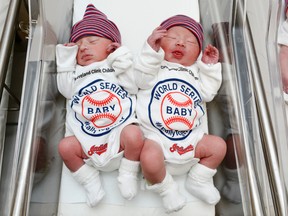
[102, 108]
[177, 111]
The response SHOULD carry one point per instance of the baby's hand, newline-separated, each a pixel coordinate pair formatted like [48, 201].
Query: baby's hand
[112, 47]
[210, 55]
[70, 44]
[154, 39]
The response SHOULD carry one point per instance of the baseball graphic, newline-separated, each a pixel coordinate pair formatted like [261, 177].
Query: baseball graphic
[177, 111]
[102, 108]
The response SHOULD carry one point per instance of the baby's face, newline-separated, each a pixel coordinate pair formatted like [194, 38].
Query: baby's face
[180, 46]
[92, 49]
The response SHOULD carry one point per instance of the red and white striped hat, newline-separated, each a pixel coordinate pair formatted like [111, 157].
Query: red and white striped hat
[95, 23]
[186, 22]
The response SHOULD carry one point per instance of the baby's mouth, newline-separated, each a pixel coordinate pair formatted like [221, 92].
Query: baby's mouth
[177, 54]
[86, 56]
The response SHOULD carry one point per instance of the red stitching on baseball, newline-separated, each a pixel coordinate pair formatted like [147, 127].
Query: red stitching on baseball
[177, 103]
[103, 102]
[100, 116]
[96, 117]
[180, 119]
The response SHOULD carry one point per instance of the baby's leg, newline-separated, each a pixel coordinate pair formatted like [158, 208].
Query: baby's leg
[72, 154]
[211, 151]
[158, 180]
[132, 140]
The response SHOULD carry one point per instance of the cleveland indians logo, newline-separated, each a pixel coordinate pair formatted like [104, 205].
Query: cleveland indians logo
[175, 108]
[101, 106]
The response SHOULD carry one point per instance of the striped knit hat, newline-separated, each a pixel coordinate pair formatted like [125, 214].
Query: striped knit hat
[186, 22]
[95, 23]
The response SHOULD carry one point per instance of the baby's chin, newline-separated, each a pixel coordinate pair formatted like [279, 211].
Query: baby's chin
[86, 61]
[179, 61]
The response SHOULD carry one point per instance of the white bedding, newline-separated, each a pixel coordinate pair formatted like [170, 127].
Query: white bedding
[136, 21]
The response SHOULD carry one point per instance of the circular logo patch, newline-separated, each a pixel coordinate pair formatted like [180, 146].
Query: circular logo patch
[175, 108]
[101, 106]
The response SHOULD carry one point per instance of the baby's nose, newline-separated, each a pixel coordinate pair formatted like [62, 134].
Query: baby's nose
[180, 42]
[83, 46]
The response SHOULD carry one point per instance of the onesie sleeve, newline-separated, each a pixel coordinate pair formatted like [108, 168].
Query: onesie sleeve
[66, 64]
[210, 79]
[147, 65]
[122, 62]
[283, 33]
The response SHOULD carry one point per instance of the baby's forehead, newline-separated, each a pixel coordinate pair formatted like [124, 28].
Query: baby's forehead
[180, 30]
[91, 38]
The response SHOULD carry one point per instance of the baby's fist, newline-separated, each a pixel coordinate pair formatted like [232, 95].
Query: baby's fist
[70, 44]
[210, 55]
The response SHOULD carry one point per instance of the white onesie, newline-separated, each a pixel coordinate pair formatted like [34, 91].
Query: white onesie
[170, 102]
[100, 101]
[283, 33]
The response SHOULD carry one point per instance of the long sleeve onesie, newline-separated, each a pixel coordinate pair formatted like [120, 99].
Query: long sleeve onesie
[171, 101]
[283, 33]
[100, 100]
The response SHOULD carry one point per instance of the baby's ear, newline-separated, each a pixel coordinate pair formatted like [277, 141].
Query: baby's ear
[112, 47]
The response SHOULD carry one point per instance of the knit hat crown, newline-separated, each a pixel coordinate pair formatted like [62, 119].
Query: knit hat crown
[186, 22]
[95, 23]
